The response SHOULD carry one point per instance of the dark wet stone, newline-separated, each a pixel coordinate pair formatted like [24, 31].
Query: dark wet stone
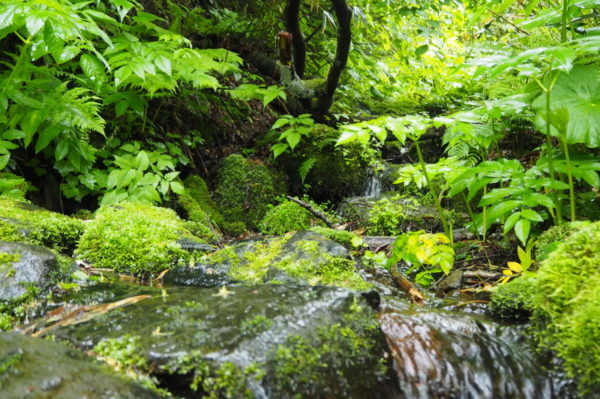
[452, 281]
[277, 340]
[32, 268]
[39, 369]
[194, 246]
[451, 355]
[271, 259]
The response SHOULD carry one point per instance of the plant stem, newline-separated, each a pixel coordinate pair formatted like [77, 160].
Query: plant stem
[469, 210]
[484, 215]
[438, 205]
[563, 25]
[569, 176]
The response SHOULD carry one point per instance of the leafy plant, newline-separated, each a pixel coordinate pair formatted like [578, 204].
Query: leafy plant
[423, 252]
[295, 128]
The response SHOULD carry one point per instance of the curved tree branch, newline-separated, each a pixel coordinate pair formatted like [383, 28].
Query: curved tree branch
[292, 23]
[344, 39]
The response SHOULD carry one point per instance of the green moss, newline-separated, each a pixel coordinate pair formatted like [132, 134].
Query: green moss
[331, 361]
[346, 238]
[566, 305]
[285, 217]
[5, 322]
[216, 380]
[135, 238]
[256, 325]
[513, 300]
[305, 261]
[20, 221]
[245, 189]
[204, 218]
[549, 240]
[6, 263]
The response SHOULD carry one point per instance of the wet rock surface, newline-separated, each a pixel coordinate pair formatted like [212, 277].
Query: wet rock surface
[264, 341]
[39, 369]
[25, 264]
[305, 257]
[451, 355]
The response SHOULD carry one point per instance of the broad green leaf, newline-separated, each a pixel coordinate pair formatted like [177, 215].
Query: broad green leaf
[532, 215]
[92, 67]
[577, 96]
[511, 221]
[502, 208]
[4, 160]
[177, 187]
[522, 228]
[62, 148]
[293, 139]
[142, 161]
[278, 149]
[30, 124]
[67, 54]
[163, 63]
[46, 136]
[280, 122]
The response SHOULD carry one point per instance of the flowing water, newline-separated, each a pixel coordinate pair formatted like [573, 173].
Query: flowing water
[441, 354]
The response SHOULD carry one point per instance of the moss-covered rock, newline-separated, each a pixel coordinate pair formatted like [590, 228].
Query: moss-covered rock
[203, 216]
[270, 341]
[305, 257]
[38, 368]
[244, 190]
[566, 305]
[285, 217]
[390, 214]
[549, 240]
[336, 173]
[21, 221]
[346, 238]
[513, 300]
[136, 238]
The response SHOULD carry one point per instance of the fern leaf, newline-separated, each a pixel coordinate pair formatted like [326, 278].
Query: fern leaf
[305, 168]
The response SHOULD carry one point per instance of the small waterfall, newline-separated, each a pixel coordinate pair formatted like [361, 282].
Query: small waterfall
[373, 185]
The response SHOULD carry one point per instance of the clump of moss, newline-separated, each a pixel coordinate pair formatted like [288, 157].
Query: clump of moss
[244, 190]
[333, 361]
[567, 304]
[513, 300]
[6, 263]
[136, 238]
[306, 258]
[204, 218]
[13, 186]
[549, 240]
[21, 221]
[216, 380]
[285, 217]
[346, 238]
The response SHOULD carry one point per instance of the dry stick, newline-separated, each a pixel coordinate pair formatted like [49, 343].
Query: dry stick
[402, 282]
[312, 210]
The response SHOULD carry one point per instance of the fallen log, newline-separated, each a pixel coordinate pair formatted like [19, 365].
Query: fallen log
[414, 295]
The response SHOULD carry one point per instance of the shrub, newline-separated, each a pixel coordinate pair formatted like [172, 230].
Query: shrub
[136, 238]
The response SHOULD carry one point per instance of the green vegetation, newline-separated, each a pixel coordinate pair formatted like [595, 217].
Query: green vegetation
[204, 218]
[135, 238]
[285, 217]
[549, 240]
[244, 190]
[514, 300]
[566, 304]
[21, 221]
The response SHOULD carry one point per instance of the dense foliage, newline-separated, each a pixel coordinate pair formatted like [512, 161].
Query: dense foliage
[480, 117]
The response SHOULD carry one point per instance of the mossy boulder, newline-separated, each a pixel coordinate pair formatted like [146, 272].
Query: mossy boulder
[40, 369]
[135, 238]
[269, 341]
[285, 217]
[336, 172]
[513, 300]
[566, 305]
[21, 221]
[203, 216]
[244, 190]
[390, 214]
[549, 240]
[303, 258]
